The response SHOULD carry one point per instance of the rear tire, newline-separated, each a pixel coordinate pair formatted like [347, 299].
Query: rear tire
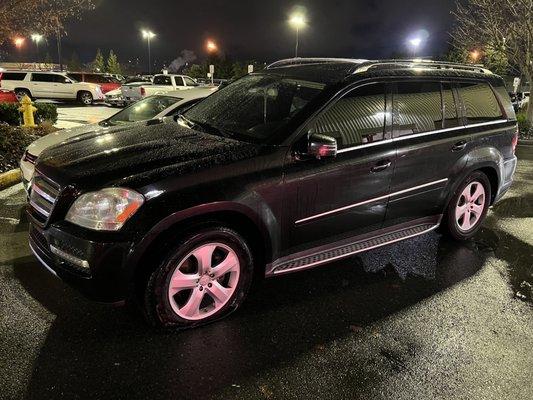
[20, 93]
[468, 207]
[203, 278]
[85, 98]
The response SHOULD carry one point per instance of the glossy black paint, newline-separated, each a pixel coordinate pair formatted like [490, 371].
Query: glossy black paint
[188, 176]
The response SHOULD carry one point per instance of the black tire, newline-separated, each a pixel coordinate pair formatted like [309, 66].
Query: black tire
[157, 308]
[85, 98]
[20, 93]
[450, 225]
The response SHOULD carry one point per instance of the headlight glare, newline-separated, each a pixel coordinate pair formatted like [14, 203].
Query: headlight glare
[105, 210]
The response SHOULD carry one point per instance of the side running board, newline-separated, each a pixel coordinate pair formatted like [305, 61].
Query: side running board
[290, 263]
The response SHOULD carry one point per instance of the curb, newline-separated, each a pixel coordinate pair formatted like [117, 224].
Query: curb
[9, 178]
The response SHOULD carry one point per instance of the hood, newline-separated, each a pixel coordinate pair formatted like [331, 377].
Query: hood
[65, 135]
[132, 157]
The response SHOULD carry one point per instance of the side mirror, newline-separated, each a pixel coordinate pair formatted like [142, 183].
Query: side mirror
[322, 146]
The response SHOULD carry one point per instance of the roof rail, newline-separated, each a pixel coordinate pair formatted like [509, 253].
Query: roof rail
[420, 63]
[303, 61]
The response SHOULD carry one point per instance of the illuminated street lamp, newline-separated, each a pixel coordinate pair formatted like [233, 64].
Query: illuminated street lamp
[211, 46]
[415, 44]
[19, 42]
[474, 56]
[297, 21]
[148, 35]
[36, 38]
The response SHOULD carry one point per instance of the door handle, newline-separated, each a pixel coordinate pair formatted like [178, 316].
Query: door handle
[381, 166]
[459, 146]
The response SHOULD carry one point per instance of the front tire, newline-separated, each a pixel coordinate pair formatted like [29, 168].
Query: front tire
[468, 207]
[85, 98]
[204, 277]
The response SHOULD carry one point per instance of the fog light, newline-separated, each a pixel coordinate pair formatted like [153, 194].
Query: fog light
[69, 258]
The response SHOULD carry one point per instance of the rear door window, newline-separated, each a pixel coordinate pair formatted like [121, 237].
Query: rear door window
[417, 108]
[179, 81]
[356, 118]
[163, 80]
[13, 76]
[479, 102]
[36, 77]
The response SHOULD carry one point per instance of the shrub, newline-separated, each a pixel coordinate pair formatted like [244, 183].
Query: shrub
[13, 143]
[10, 114]
[525, 129]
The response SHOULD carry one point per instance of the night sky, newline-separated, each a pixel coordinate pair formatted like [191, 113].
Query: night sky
[253, 29]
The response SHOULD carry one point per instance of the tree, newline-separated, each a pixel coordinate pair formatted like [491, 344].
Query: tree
[74, 63]
[196, 71]
[500, 29]
[98, 65]
[238, 70]
[47, 17]
[113, 66]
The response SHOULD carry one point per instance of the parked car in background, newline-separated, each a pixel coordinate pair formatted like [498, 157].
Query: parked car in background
[303, 164]
[161, 84]
[107, 83]
[50, 85]
[114, 98]
[118, 77]
[8, 96]
[150, 108]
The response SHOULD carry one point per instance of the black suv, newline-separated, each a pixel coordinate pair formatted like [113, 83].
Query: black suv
[307, 162]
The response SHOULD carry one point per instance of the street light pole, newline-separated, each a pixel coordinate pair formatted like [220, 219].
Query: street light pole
[297, 21]
[148, 35]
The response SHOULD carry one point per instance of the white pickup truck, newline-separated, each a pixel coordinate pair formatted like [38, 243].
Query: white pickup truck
[162, 84]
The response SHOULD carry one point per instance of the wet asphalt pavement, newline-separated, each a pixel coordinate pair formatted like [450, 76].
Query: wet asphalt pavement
[422, 319]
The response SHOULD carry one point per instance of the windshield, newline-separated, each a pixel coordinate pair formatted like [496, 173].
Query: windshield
[143, 110]
[254, 107]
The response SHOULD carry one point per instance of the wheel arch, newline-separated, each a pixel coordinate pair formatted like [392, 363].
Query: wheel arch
[234, 216]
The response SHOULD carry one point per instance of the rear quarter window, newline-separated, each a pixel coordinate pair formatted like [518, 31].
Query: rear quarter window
[13, 76]
[479, 102]
[505, 101]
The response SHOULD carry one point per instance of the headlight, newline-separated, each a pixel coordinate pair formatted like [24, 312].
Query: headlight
[105, 210]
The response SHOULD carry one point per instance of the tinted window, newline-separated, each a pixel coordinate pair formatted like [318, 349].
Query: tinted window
[255, 107]
[451, 118]
[42, 77]
[479, 102]
[76, 77]
[179, 81]
[417, 107]
[143, 110]
[59, 78]
[501, 92]
[13, 76]
[162, 80]
[356, 118]
[189, 81]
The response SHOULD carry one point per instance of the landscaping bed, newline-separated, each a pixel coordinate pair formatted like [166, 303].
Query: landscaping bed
[15, 139]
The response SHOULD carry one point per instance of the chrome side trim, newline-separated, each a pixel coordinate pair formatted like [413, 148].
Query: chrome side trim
[415, 135]
[355, 252]
[369, 201]
[42, 261]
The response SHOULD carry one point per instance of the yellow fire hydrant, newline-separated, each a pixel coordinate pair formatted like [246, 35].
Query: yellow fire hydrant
[27, 110]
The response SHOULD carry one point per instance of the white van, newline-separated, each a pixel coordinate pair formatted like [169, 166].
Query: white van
[50, 85]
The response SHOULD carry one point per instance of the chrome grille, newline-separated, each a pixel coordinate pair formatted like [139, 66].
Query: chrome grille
[44, 194]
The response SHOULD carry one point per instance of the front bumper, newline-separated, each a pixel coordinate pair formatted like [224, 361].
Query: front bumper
[101, 279]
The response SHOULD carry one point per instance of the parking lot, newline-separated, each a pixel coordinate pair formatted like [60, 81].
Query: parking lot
[425, 318]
